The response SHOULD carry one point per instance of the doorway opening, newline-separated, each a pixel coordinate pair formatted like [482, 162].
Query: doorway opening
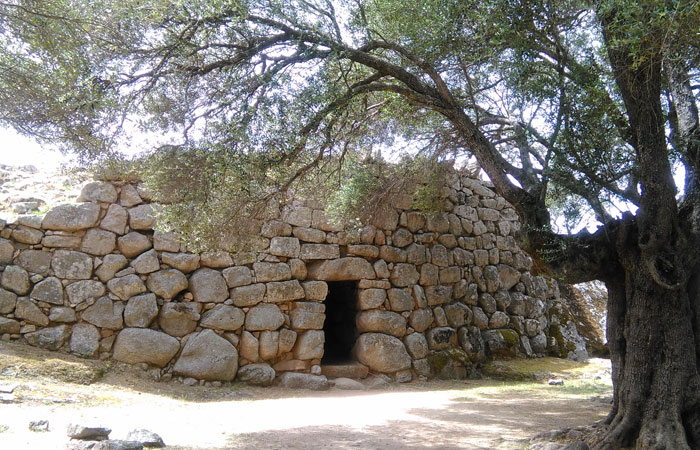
[339, 327]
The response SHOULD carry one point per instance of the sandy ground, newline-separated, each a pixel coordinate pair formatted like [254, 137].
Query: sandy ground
[480, 414]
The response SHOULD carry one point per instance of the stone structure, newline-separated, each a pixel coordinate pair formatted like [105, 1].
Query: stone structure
[411, 295]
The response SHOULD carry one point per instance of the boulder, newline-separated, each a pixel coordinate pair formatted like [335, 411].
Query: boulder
[237, 276]
[502, 342]
[207, 356]
[146, 262]
[85, 340]
[417, 345]
[26, 235]
[8, 326]
[167, 283]
[499, 319]
[438, 295]
[16, 279]
[98, 191]
[216, 260]
[308, 316]
[260, 374]
[129, 197]
[421, 319]
[146, 438]
[35, 261]
[84, 291]
[458, 314]
[208, 285]
[81, 432]
[249, 295]
[105, 314]
[285, 246]
[508, 276]
[111, 264]
[264, 316]
[315, 290]
[143, 345]
[126, 287]
[98, 242]
[404, 275]
[275, 228]
[7, 251]
[400, 300]
[27, 310]
[71, 217]
[309, 235]
[8, 300]
[179, 319]
[140, 311]
[294, 380]
[299, 216]
[49, 338]
[319, 251]
[249, 346]
[62, 314]
[371, 298]
[184, 262]
[115, 219]
[283, 291]
[268, 344]
[382, 322]
[341, 269]
[382, 352]
[440, 338]
[71, 265]
[141, 217]
[309, 345]
[271, 272]
[166, 241]
[133, 244]
[223, 317]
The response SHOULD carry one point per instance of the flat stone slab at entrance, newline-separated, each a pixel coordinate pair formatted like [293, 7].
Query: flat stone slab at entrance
[351, 370]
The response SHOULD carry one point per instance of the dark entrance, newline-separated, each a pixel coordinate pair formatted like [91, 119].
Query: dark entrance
[339, 327]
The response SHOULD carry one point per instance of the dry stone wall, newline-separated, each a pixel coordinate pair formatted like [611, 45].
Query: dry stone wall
[432, 295]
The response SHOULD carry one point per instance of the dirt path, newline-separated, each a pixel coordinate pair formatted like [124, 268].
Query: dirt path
[479, 414]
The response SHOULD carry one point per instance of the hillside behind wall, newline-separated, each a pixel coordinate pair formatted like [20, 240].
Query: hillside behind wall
[433, 295]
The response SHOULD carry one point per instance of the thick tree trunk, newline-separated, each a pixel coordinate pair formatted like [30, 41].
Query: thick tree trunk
[652, 333]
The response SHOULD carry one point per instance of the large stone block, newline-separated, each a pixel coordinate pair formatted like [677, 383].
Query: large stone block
[84, 291]
[167, 283]
[283, 291]
[309, 345]
[319, 251]
[179, 319]
[216, 260]
[249, 295]
[285, 246]
[223, 317]
[27, 235]
[71, 265]
[8, 300]
[308, 235]
[265, 272]
[421, 319]
[115, 220]
[237, 276]
[382, 322]
[295, 380]
[458, 314]
[98, 191]
[341, 269]
[438, 295]
[8, 326]
[404, 275]
[140, 311]
[260, 374]
[62, 314]
[308, 316]
[184, 262]
[441, 338]
[143, 345]
[27, 310]
[16, 279]
[265, 316]
[111, 264]
[400, 300]
[315, 290]
[35, 261]
[85, 340]
[133, 244]
[105, 314]
[146, 262]
[299, 216]
[268, 344]
[382, 352]
[7, 251]
[417, 345]
[126, 287]
[208, 285]
[98, 242]
[207, 356]
[142, 217]
[166, 241]
[71, 217]
[508, 276]
[129, 196]
[249, 347]
[371, 298]
[49, 338]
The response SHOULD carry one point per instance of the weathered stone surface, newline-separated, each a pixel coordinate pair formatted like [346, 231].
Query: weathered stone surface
[315, 290]
[417, 345]
[167, 283]
[309, 235]
[265, 316]
[322, 221]
[503, 342]
[268, 344]
[179, 319]
[371, 298]
[294, 380]
[71, 265]
[98, 191]
[308, 316]
[341, 269]
[8, 300]
[458, 314]
[450, 275]
[140, 311]
[223, 317]
[35, 261]
[85, 340]
[26, 235]
[9, 326]
[126, 287]
[62, 314]
[404, 275]
[49, 338]
[105, 314]
[421, 319]
[129, 196]
[438, 295]
[16, 279]
[207, 356]
[141, 217]
[237, 276]
[271, 272]
[7, 251]
[111, 264]
[283, 291]
[499, 319]
[84, 291]
[133, 244]
[382, 352]
[382, 322]
[400, 300]
[27, 310]
[259, 374]
[184, 262]
[115, 220]
[208, 285]
[249, 347]
[166, 241]
[285, 246]
[319, 251]
[146, 262]
[366, 251]
[441, 338]
[299, 216]
[480, 319]
[386, 219]
[508, 276]
[298, 268]
[146, 438]
[248, 295]
[60, 241]
[309, 345]
[143, 345]
[98, 242]
[216, 260]
[275, 228]
[71, 217]
[287, 340]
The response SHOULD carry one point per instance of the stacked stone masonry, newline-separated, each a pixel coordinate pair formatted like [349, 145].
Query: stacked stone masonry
[436, 293]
